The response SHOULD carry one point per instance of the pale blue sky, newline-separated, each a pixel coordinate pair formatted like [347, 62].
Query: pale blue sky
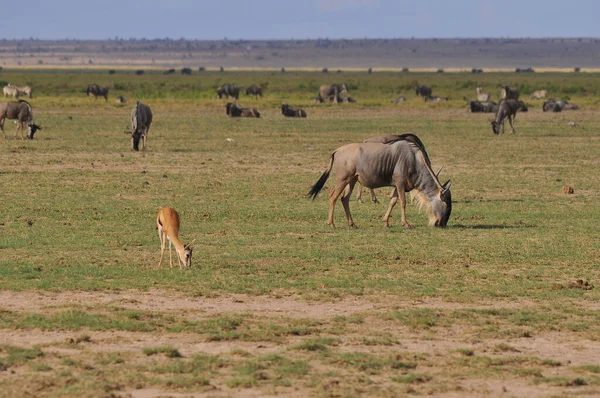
[299, 19]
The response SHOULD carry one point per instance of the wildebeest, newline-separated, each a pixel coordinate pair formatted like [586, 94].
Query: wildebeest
[325, 70]
[23, 113]
[509, 93]
[112, 71]
[139, 72]
[440, 71]
[423, 91]
[141, 119]
[507, 110]
[228, 90]
[405, 69]
[97, 91]
[169, 72]
[370, 71]
[17, 91]
[121, 100]
[254, 90]
[288, 111]
[402, 163]
[538, 94]
[577, 69]
[481, 96]
[479, 106]
[524, 70]
[476, 71]
[553, 105]
[434, 99]
[331, 92]
[201, 69]
[235, 110]
[186, 71]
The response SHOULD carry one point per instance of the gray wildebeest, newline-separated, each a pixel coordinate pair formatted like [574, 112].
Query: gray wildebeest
[506, 110]
[482, 96]
[235, 110]
[478, 106]
[509, 93]
[553, 105]
[23, 113]
[288, 111]
[141, 119]
[331, 92]
[229, 91]
[538, 94]
[402, 164]
[254, 90]
[423, 91]
[97, 91]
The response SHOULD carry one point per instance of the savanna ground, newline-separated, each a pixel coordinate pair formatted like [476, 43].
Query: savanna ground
[501, 303]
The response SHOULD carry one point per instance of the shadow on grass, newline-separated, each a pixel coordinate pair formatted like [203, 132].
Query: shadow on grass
[490, 226]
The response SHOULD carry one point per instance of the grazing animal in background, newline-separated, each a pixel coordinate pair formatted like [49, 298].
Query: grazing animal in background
[574, 125]
[23, 113]
[186, 71]
[121, 100]
[484, 107]
[509, 93]
[235, 110]
[229, 91]
[168, 224]
[538, 94]
[254, 90]
[139, 72]
[481, 96]
[507, 110]
[402, 163]
[476, 71]
[10, 91]
[141, 119]
[423, 91]
[553, 105]
[435, 99]
[288, 111]
[169, 72]
[97, 91]
[22, 90]
[331, 92]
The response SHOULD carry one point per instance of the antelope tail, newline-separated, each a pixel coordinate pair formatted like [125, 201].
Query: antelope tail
[314, 191]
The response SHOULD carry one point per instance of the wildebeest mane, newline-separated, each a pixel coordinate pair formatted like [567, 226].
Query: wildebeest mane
[414, 140]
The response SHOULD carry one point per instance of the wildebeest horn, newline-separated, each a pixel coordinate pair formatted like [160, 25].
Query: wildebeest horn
[446, 186]
[439, 171]
[190, 244]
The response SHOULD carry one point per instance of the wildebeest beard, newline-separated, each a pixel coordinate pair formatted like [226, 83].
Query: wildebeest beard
[32, 129]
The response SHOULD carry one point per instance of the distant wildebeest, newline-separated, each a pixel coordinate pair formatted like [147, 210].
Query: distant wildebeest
[141, 119]
[399, 99]
[434, 99]
[370, 71]
[23, 113]
[229, 91]
[254, 90]
[423, 91]
[524, 70]
[97, 91]
[139, 72]
[481, 96]
[405, 70]
[235, 110]
[553, 105]
[331, 92]
[476, 71]
[538, 94]
[440, 71]
[121, 100]
[282, 70]
[112, 71]
[402, 164]
[221, 69]
[577, 69]
[16, 91]
[478, 106]
[186, 71]
[509, 93]
[507, 110]
[325, 70]
[201, 69]
[169, 72]
[288, 111]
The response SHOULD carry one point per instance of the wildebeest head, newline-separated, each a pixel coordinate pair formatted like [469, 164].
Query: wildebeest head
[284, 108]
[495, 127]
[443, 214]
[32, 129]
[228, 108]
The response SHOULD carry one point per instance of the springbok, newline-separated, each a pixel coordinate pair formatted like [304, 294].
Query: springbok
[481, 96]
[168, 222]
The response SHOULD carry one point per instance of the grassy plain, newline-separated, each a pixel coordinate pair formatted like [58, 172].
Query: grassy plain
[490, 304]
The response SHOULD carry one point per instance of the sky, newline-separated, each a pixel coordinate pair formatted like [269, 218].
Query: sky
[299, 19]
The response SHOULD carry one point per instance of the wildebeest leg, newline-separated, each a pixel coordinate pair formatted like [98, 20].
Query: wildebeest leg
[393, 200]
[510, 120]
[335, 194]
[346, 202]
[398, 193]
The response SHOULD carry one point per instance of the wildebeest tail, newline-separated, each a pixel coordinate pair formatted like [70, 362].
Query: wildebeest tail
[314, 191]
[136, 141]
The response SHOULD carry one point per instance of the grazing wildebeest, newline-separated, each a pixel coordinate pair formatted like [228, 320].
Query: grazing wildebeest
[435, 99]
[201, 69]
[440, 71]
[476, 71]
[402, 164]
[538, 94]
[141, 119]
[325, 70]
[331, 92]
[481, 96]
[554, 105]
[121, 100]
[288, 111]
[507, 110]
[370, 71]
[23, 113]
[478, 106]
[186, 71]
[577, 69]
[423, 91]
[228, 90]
[235, 110]
[139, 72]
[254, 90]
[112, 71]
[282, 70]
[404, 69]
[509, 93]
[221, 69]
[524, 70]
[97, 91]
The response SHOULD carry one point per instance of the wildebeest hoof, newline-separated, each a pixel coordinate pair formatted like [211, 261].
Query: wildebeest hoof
[408, 226]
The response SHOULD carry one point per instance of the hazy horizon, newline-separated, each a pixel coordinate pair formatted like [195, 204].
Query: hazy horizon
[310, 20]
